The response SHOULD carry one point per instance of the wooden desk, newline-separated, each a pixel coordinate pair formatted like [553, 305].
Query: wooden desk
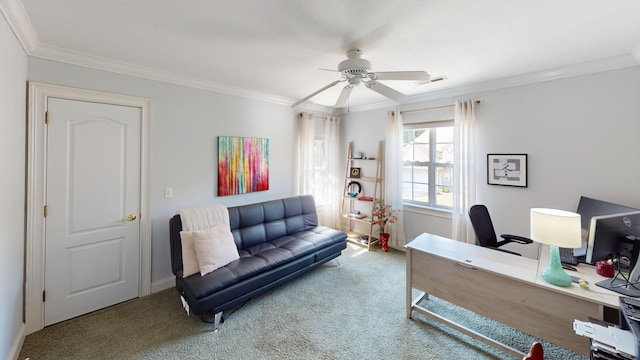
[505, 288]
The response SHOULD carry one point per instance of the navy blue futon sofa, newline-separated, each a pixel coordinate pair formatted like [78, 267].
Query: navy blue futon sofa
[277, 241]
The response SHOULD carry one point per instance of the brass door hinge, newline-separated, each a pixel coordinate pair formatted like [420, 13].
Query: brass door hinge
[44, 295]
[46, 117]
[46, 210]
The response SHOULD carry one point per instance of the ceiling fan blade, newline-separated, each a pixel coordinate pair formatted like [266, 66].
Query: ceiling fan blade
[386, 91]
[315, 93]
[403, 75]
[432, 80]
[344, 96]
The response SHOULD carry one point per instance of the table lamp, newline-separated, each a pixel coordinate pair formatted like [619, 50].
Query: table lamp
[556, 228]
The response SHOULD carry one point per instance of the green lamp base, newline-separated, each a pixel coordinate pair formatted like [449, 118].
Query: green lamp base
[554, 274]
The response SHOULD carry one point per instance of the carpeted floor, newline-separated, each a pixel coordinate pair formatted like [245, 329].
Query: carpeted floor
[356, 311]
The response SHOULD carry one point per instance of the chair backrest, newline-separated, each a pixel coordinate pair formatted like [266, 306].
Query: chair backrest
[482, 226]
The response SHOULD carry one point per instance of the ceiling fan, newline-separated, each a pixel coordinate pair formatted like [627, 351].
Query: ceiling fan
[356, 70]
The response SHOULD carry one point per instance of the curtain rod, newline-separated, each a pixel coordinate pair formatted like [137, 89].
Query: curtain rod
[315, 116]
[434, 107]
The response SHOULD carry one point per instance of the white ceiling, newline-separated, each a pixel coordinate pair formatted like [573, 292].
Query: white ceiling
[273, 49]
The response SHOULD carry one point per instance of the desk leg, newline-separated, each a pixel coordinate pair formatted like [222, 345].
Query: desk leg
[421, 296]
[474, 334]
[409, 287]
[410, 302]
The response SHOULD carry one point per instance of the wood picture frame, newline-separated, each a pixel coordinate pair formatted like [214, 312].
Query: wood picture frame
[507, 170]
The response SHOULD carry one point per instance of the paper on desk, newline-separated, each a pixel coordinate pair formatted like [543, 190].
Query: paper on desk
[594, 331]
[625, 341]
[606, 348]
[621, 340]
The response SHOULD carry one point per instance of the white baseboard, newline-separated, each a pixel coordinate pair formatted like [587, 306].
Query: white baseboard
[17, 343]
[163, 284]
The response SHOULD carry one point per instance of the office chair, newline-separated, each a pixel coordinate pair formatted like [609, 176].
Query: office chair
[486, 234]
[535, 352]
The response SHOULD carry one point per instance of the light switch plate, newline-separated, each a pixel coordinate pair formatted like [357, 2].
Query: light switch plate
[168, 193]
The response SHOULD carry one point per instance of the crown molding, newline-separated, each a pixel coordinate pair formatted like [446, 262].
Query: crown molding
[106, 64]
[18, 20]
[591, 67]
[375, 106]
[311, 107]
[20, 24]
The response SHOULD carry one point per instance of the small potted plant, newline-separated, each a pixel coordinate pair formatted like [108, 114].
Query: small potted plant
[381, 214]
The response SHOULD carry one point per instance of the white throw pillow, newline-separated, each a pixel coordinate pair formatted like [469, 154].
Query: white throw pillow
[215, 248]
[189, 259]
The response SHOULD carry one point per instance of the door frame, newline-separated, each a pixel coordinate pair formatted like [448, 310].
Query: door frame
[38, 96]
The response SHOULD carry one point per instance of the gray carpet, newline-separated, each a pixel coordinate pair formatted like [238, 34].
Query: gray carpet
[356, 311]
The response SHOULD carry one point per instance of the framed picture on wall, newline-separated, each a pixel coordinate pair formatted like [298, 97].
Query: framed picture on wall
[507, 169]
[243, 165]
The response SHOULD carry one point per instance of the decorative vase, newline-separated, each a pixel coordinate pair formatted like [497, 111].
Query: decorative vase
[384, 241]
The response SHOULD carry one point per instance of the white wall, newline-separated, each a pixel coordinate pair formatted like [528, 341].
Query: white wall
[13, 75]
[185, 124]
[365, 135]
[581, 135]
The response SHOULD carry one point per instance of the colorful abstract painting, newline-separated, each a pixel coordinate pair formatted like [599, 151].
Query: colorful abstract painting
[243, 165]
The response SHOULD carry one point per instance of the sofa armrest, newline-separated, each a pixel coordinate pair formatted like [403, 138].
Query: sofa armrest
[175, 226]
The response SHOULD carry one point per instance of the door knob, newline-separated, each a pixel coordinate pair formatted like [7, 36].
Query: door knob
[130, 217]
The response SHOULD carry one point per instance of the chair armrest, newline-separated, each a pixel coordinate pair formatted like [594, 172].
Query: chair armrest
[504, 250]
[515, 238]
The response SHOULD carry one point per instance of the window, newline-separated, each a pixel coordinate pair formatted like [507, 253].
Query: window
[321, 183]
[319, 188]
[427, 169]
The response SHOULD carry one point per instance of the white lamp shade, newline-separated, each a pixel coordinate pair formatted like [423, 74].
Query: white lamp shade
[556, 227]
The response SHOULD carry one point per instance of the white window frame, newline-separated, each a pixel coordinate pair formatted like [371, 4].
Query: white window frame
[431, 163]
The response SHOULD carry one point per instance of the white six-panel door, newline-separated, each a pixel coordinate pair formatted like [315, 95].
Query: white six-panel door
[92, 229]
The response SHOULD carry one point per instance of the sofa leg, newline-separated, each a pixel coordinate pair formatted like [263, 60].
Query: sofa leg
[217, 320]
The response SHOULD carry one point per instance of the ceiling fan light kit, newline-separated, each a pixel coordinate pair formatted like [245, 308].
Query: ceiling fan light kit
[356, 70]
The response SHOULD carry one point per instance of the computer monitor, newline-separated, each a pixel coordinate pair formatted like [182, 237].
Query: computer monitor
[613, 236]
[608, 235]
[588, 208]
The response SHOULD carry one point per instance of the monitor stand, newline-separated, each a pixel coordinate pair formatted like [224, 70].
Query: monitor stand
[620, 283]
[621, 286]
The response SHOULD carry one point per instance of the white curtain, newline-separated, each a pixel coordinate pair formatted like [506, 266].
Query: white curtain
[327, 194]
[393, 176]
[333, 179]
[464, 174]
[304, 174]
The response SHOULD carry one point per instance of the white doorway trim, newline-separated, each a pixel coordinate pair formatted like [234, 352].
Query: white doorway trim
[36, 185]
